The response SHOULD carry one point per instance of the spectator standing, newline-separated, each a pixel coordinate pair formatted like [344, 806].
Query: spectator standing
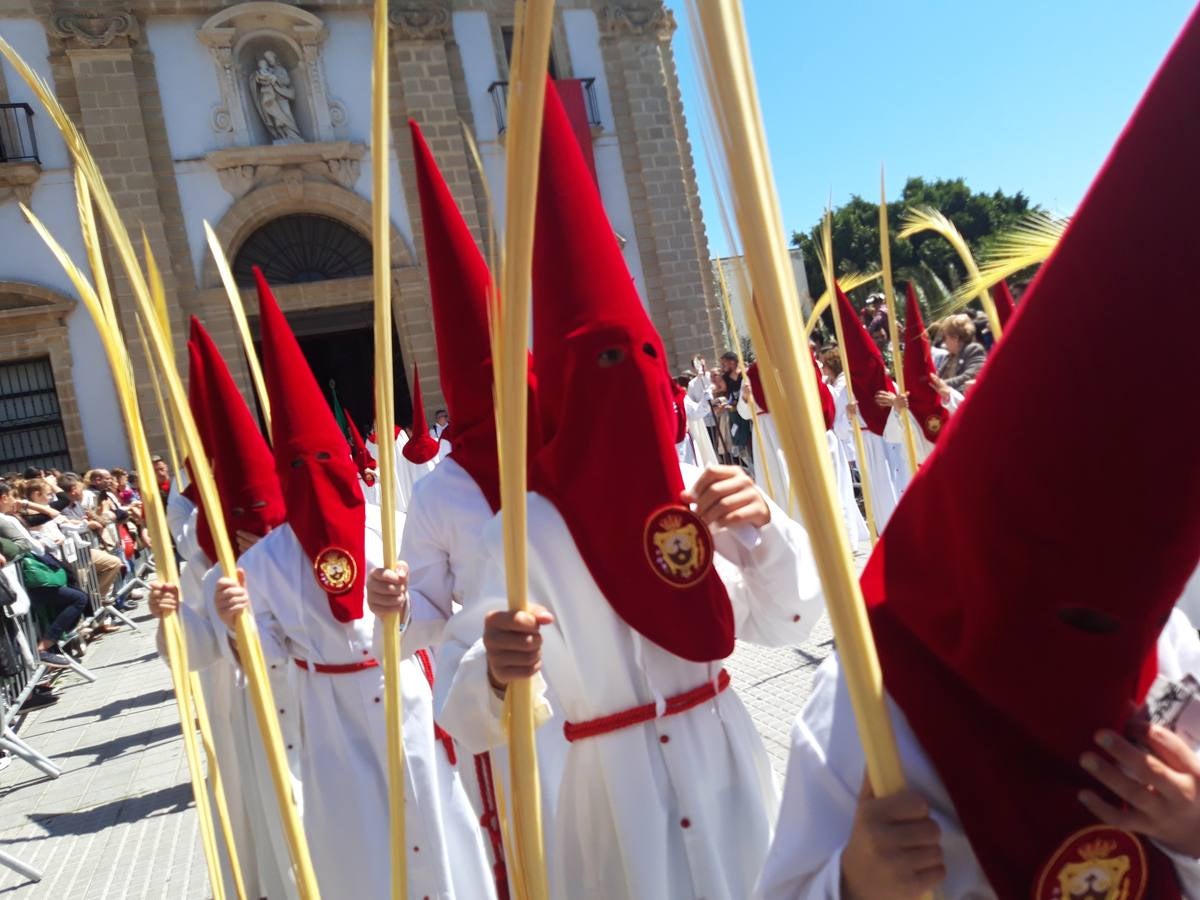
[163, 476]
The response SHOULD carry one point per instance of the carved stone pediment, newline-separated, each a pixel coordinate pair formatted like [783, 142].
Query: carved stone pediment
[244, 169]
[269, 66]
[94, 29]
[637, 19]
[429, 21]
[17, 180]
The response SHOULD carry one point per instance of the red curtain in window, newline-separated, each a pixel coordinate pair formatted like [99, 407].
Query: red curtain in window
[570, 91]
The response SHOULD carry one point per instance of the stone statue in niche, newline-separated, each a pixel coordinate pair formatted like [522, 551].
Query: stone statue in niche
[271, 88]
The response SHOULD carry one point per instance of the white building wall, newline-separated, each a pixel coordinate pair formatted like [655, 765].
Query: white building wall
[475, 37]
[188, 85]
[26, 259]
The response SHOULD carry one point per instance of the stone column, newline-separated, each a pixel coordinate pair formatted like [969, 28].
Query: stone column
[635, 39]
[110, 77]
[422, 88]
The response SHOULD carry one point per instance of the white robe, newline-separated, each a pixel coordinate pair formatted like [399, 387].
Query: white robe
[344, 743]
[676, 808]
[264, 873]
[443, 535]
[825, 771]
[893, 433]
[773, 478]
[876, 469]
[408, 474]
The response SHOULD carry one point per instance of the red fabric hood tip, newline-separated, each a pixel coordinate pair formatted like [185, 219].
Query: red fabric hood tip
[1083, 606]
[1005, 305]
[599, 358]
[319, 481]
[923, 399]
[421, 447]
[459, 284]
[358, 449]
[868, 372]
[200, 403]
[243, 465]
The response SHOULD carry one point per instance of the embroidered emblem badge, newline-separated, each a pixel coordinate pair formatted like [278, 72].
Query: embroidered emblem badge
[335, 570]
[678, 546]
[1096, 863]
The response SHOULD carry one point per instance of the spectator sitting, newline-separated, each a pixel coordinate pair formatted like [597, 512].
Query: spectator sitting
[39, 517]
[66, 605]
[75, 520]
[966, 356]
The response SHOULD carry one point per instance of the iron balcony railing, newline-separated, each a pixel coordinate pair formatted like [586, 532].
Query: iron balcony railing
[499, 94]
[18, 143]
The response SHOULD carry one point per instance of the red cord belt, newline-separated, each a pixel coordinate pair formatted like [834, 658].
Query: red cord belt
[577, 731]
[337, 668]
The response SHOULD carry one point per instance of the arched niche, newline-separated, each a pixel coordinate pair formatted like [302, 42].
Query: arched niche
[240, 39]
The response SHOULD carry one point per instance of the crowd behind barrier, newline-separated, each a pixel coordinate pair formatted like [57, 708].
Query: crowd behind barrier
[34, 653]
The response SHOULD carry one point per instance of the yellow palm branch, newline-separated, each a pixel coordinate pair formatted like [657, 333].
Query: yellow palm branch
[1029, 243]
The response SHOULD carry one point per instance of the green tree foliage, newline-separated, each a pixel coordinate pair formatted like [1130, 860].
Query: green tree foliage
[927, 259]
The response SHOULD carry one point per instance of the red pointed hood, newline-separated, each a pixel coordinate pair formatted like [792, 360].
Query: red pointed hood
[1005, 305]
[1036, 636]
[599, 359]
[243, 465]
[200, 403]
[421, 448]
[868, 373]
[459, 282]
[359, 453]
[325, 505]
[923, 398]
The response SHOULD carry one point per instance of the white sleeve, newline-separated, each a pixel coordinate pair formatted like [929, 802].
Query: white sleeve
[817, 811]
[772, 580]
[956, 398]
[430, 581]
[270, 633]
[464, 703]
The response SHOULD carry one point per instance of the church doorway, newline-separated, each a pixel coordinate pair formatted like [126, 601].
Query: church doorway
[339, 345]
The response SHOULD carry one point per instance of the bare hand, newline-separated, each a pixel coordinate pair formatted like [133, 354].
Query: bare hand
[1160, 788]
[940, 386]
[886, 399]
[894, 851]
[164, 599]
[725, 496]
[852, 410]
[387, 591]
[513, 641]
[246, 540]
[232, 599]
[900, 401]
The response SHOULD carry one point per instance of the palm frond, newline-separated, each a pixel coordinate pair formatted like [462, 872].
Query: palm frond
[1027, 244]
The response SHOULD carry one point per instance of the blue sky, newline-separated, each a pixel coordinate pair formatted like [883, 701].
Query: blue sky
[1013, 94]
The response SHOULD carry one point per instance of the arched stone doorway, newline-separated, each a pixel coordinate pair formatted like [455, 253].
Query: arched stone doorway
[324, 257]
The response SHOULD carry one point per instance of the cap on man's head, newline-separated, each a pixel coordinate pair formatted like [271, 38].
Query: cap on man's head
[32, 472]
[729, 355]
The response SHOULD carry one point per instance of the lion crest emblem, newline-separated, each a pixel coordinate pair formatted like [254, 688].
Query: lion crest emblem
[335, 570]
[1097, 863]
[678, 546]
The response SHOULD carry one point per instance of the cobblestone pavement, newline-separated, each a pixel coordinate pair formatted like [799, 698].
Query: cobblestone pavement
[119, 823]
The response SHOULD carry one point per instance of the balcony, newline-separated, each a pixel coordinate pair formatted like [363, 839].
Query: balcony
[20, 166]
[18, 143]
[499, 94]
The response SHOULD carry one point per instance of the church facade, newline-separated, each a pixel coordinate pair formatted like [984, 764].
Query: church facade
[255, 118]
